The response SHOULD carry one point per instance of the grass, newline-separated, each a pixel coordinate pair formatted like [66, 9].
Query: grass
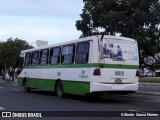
[149, 80]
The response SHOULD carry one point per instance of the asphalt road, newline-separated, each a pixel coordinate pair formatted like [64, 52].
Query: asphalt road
[13, 98]
[146, 88]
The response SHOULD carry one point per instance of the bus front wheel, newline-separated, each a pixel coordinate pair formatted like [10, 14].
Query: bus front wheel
[26, 88]
[59, 89]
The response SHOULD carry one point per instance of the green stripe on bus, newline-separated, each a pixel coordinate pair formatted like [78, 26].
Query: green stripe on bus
[119, 66]
[76, 87]
[20, 82]
[72, 87]
[44, 84]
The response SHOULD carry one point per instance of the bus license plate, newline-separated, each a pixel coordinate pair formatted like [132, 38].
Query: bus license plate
[118, 80]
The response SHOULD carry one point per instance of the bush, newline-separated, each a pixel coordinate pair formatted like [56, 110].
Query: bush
[149, 80]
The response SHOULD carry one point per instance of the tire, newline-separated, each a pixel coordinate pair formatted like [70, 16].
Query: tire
[59, 89]
[26, 88]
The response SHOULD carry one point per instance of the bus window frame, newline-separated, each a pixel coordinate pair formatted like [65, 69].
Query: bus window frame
[33, 52]
[72, 56]
[57, 56]
[83, 53]
[40, 57]
[29, 61]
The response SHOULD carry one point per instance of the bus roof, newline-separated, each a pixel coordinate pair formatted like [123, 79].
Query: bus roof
[77, 40]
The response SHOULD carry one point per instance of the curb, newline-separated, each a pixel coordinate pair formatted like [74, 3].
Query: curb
[148, 93]
[150, 84]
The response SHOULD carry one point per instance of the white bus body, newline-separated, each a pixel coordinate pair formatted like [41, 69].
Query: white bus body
[92, 65]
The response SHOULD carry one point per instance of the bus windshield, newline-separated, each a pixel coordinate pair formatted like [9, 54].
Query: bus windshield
[120, 51]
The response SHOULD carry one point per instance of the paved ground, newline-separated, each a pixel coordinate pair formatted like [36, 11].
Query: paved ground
[13, 98]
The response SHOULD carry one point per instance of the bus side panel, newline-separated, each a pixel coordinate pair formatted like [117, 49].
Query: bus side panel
[43, 84]
[75, 87]
[47, 85]
[20, 82]
[76, 80]
[44, 78]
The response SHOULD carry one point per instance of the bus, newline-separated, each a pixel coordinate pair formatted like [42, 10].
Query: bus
[89, 65]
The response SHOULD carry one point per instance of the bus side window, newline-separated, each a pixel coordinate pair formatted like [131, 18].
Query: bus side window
[27, 59]
[68, 54]
[55, 56]
[82, 53]
[43, 57]
[35, 58]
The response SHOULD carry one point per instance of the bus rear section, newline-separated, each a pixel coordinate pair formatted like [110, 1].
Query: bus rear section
[117, 71]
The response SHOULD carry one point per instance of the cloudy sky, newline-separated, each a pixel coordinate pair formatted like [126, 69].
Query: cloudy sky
[31, 20]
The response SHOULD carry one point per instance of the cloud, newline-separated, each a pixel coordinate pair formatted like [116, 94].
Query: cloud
[37, 27]
[5, 33]
[59, 8]
[44, 32]
[31, 20]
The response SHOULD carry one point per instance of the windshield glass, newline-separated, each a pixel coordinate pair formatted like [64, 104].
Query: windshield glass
[120, 50]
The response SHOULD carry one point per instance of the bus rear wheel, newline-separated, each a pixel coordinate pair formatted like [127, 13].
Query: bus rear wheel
[26, 88]
[59, 89]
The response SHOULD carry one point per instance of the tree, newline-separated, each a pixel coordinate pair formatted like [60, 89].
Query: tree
[138, 19]
[10, 51]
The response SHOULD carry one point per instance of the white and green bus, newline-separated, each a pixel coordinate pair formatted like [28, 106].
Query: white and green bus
[84, 66]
